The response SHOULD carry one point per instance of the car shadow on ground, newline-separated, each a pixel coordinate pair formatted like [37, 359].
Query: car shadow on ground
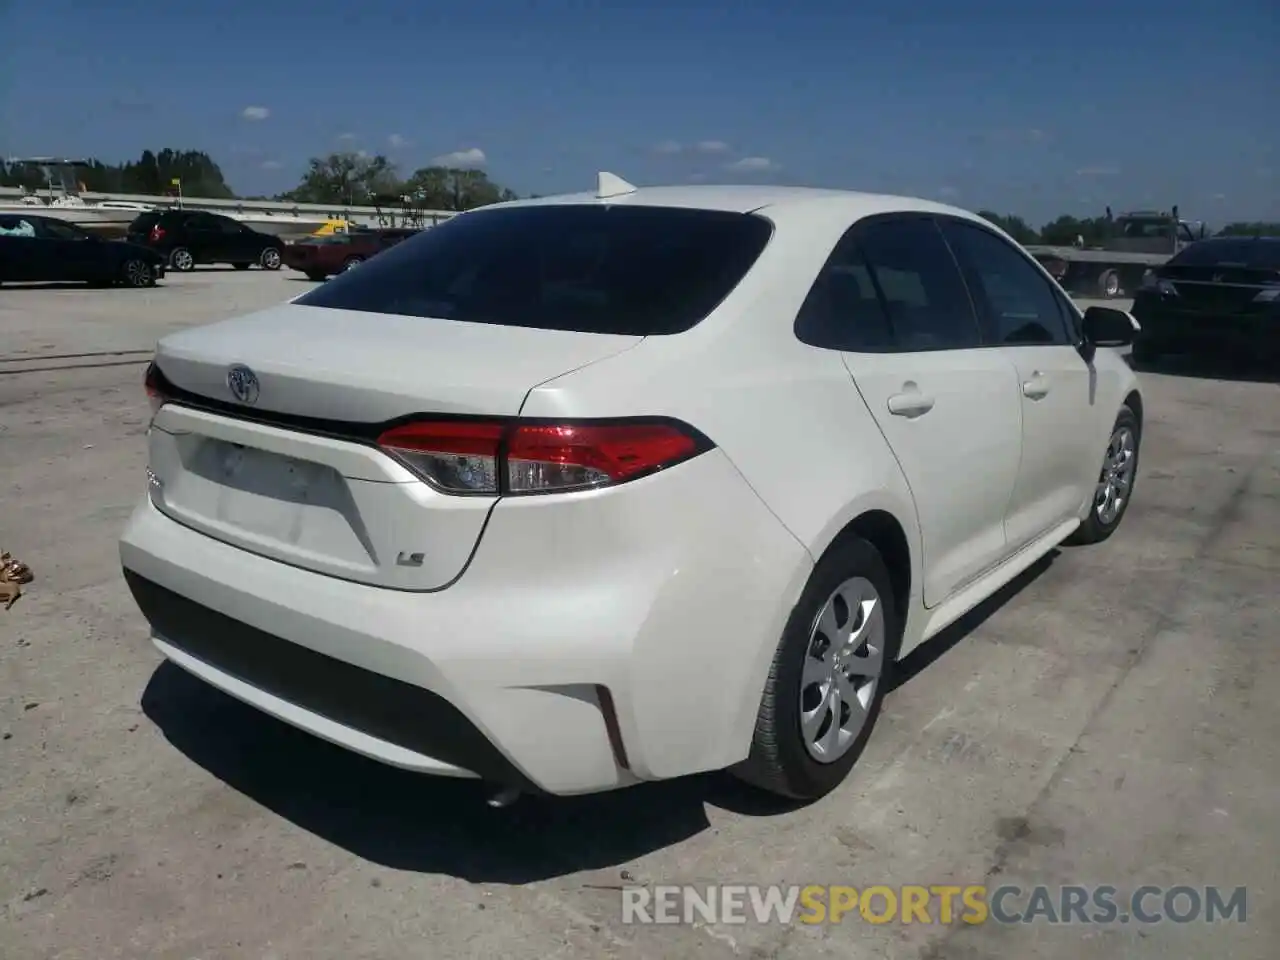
[11, 286]
[409, 821]
[933, 649]
[428, 824]
[1242, 369]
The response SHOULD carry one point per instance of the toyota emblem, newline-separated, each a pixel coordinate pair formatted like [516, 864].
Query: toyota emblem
[243, 384]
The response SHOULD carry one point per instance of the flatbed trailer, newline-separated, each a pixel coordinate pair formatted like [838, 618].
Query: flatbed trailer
[1140, 241]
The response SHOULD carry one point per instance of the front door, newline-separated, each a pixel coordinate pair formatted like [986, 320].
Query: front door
[947, 407]
[204, 237]
[1023, 315]
[69, 252]
[239, 243]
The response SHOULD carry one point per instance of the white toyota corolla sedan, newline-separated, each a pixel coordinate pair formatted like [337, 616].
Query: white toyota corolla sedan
[572, 493]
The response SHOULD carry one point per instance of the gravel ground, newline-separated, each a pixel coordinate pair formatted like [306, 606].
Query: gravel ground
[1113, 718]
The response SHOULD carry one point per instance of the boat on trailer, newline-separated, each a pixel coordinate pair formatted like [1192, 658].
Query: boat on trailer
[63, 200]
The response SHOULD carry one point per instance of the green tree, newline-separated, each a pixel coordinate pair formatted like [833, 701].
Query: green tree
[451, 188]
[1014, 226]
[1064, 231]
[1256, 229]
[348, 178]
[152, 173]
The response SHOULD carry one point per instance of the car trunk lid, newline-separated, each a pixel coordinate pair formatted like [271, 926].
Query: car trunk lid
[296, 474]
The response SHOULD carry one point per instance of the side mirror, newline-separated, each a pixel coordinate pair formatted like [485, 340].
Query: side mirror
[1108, 327]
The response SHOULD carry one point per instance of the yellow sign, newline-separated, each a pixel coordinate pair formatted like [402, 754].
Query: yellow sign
[176, 182]
[882, 904]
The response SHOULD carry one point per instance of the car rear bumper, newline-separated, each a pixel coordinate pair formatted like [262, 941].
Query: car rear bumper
[629, 640]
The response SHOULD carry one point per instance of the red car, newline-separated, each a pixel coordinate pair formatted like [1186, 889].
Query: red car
[322, 257]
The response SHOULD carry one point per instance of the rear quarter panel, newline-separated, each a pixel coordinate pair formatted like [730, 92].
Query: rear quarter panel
[786, 414]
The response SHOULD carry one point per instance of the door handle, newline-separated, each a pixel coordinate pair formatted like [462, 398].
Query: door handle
[910, 404]
[1037, 388]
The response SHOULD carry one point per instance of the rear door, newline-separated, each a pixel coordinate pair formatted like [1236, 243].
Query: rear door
[240, 244]
[1022, 315]
[947, 406]
[69, 253]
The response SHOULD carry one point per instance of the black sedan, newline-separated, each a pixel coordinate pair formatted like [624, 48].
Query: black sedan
[1220, 295]
[36, 249]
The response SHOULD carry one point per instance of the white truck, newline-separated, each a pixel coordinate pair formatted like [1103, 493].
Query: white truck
[1136, 242]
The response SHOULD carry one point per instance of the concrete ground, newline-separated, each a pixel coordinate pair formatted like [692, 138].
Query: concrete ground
[1115, 719]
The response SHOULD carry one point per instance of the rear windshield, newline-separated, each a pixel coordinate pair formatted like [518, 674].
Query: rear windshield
[144, 222]
[1260, 252]
[636, 271]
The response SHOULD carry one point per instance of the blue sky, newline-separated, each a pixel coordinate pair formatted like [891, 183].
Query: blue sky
[1027, 107]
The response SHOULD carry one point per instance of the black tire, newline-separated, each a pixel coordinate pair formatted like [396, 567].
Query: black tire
[242, 266]
[317, 277]
[182, 260]
[270, 259]
[1094, 529]
[779, 761]
[137, 274]
[352, 262]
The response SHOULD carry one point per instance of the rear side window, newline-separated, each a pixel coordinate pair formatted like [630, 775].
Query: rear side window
[144, 222]
[843, 310]
[637, 271]
[924, 294]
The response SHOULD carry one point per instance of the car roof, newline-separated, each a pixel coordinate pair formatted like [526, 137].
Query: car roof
[748, 199]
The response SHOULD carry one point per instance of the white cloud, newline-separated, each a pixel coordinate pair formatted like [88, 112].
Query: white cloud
[672, 148]
[348, 137]
[752, 165]
[1099, 170]
[363, 154]
[271, 164]
[470, 157]
[396, 141]
[255, 113]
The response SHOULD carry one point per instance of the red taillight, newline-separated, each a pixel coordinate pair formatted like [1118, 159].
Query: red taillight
[156, 233]
[154, 385]
[490, 457]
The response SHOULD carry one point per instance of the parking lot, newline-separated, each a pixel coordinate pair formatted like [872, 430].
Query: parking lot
[1113, 719]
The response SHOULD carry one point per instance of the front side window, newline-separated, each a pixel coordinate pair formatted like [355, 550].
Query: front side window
[1015, 300]
[57, 230]
[631, 270]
